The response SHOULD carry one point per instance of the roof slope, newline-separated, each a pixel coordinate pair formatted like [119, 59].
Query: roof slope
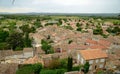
[93, 54]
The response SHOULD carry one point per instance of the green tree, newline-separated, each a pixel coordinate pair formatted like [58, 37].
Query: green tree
[79, 29]
[109, 30]
[48, 72]
[86, 67]
[27, 40]
[77, 68]
[44, 42]
[78, 25]
[68, 27]
[98, 31]
[3, 35]
[116, 30]
[33, 29]
[37, 24]
[60, 21]
[12, 26]
[30, 69]
[46, 47]
[70, 64]
[4, 46]
[37, 68]
[63, 63]
[15, 40]
[25, 70]
[25, 29]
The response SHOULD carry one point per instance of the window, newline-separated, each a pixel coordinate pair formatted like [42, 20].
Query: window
[90, 67]
[97, 61]
[101, 66]
[82, 60]
[91, 62]
[102, 60]
[95, 66]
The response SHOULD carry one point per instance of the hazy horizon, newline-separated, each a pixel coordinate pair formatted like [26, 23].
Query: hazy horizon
[60, 6]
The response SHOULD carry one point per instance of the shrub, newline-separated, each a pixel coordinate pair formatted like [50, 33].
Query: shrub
[76, 68]
[3, 46]
[18, 48]
[78, 25]
[60, 71]
[105, 36]
[25, 70]
[68, 27]
[30, 69]
[54, 71]
[98, 31]
[55, 64]
[86, 67]
[47, 72]
[63, 63]
[46, 47]
[79, 29]
[37, 68]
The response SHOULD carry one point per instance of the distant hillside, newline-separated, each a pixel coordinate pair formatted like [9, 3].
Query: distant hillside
[67, 14]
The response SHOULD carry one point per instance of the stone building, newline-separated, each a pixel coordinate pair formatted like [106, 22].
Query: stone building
[96, 58]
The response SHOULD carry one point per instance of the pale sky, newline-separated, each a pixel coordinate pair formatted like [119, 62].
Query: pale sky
[60, 6]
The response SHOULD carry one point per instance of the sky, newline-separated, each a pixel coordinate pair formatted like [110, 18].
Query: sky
[60, 6]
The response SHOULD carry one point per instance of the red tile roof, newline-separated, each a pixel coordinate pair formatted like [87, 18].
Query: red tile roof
[104, 42]
[93, 54]
[98, 47]
[91, 41]
[83, 47]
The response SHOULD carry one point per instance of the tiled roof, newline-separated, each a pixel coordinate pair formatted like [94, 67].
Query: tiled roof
[98, 47]
[91, 41]
[93, 54]
[104, 42]
[83, 47]
[73, 45]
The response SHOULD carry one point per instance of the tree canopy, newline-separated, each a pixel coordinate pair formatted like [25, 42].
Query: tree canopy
[15, 40]
[46, 47]
[86, 67]
[3, 35]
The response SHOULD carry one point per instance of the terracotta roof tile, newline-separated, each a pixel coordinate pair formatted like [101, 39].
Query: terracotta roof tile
[98, 47]
[83, 47]
[91, 41]
[104, 42]
[93, 54]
